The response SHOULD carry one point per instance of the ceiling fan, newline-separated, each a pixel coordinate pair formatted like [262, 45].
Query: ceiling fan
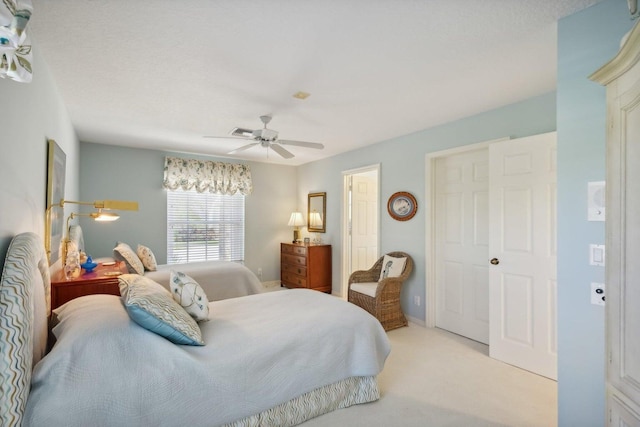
[266, 138]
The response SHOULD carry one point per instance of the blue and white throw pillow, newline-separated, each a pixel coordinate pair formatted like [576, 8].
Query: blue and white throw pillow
[190, 295]
[152, 307]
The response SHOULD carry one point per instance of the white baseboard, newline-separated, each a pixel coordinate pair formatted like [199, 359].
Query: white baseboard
[416, 321]
[271, 284]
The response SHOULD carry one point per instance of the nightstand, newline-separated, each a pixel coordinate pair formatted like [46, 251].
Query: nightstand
[102, 280]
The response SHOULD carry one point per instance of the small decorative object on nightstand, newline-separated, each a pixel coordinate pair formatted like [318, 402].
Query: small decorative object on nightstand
[305, 266]
[88, 265]
[102, 280]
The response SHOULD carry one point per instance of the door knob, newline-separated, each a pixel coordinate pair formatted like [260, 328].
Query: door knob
[495, 261]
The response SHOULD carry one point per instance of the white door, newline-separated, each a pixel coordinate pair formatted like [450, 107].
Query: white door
[462, 244]
[364, 221]
[360, 222]
[522, 242]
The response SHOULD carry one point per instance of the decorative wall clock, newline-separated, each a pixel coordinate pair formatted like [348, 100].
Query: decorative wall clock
[402, 206]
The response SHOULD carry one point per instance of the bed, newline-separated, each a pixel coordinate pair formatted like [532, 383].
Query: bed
[277, 358]
[219, 279]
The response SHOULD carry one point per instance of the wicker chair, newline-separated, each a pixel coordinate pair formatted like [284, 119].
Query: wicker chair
[385, 306]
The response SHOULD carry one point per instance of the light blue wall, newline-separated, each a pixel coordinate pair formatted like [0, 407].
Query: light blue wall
[586, 41]
[31, 113]
[402, 168]
[112, 172]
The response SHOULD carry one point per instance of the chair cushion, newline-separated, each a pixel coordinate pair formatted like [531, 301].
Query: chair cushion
[367, 288]
[392, 267]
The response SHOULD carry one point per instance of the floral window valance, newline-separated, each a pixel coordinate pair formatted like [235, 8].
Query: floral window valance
[207, 176]
[15, 46]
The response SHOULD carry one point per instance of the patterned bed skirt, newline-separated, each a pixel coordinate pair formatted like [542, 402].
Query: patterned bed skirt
[342, 394]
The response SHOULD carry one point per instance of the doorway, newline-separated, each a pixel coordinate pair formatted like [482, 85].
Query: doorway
[491, 238]
[360, 224]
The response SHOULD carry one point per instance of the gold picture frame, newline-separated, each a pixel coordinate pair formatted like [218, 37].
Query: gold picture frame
[317, 212]
[56, 173]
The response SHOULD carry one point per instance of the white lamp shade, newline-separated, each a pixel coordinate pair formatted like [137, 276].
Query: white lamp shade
[105, 216]
[315, 220]
[296, 219]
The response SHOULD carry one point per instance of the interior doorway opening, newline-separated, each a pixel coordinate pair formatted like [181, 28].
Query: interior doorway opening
[360, 220]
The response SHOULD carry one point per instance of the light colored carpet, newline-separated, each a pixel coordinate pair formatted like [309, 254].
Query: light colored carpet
[435, 378]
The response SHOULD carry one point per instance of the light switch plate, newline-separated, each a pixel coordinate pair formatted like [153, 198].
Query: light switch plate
[596, 255]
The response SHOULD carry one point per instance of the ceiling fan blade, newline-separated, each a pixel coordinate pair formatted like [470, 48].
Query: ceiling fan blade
[228, 138]
[302, 144]
[280, 150]
[241, 132]
[244, 147]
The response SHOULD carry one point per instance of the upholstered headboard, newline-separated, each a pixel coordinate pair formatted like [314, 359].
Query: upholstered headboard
[24, 310]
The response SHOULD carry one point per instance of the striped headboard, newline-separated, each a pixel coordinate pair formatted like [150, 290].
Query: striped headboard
[24, 310]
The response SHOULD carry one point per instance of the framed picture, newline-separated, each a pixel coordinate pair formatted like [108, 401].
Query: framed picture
[402, 206]
[56, 170]
[307, 240]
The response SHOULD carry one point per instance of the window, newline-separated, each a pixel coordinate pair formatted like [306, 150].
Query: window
[204, 226]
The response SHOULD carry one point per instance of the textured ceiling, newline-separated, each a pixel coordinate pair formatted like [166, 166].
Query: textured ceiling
[161, 73]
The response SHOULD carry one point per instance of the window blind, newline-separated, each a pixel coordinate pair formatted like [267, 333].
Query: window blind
[204, 226]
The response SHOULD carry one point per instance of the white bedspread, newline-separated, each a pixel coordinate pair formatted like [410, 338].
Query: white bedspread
[261, 350]
[219, 279]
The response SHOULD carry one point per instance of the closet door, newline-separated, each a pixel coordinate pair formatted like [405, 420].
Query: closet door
[622, 77]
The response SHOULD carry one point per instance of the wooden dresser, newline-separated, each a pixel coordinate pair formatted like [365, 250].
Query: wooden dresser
[305, 266]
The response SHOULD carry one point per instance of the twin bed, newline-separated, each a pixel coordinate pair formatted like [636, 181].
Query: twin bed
[219, 279]
[276, 358]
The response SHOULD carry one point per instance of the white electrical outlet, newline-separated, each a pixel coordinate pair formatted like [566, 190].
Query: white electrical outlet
[416, 300]
[597, 293]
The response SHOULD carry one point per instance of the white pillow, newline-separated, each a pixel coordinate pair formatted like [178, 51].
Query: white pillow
[151, 306]
[123, 252]
[392, 267]
[147, 257]
[190, 295]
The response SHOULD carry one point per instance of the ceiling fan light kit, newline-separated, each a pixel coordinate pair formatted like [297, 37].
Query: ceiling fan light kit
[266, 138]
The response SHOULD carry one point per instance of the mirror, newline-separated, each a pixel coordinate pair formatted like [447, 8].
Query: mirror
[316, 213]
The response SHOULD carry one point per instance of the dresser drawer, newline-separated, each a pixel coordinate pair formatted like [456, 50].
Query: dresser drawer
[295, 260]
[295, 250]
[292, 268]
[293, 280]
